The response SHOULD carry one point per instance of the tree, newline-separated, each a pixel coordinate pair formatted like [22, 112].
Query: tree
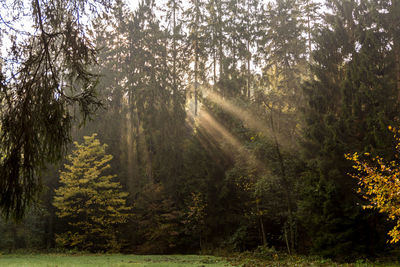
[379, 182]
[109, 34]
[196, 216]
[350, 100]
[159, 221]
[91, 202]
[155, 99]
[195, 23]
[311, 19]
[43, 75]
[283, 52]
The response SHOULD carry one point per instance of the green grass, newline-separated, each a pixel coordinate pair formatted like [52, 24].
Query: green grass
[256, 260]
[110, 260]
[118, 260]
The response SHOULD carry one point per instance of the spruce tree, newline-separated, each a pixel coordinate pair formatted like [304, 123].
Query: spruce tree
[89, 200]
[283, 54]
[195, 17]
[350, 103]
[44, 73]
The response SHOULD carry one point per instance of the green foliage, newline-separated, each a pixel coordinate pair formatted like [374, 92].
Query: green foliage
[159, 221]
[196, 215]
[349, 103]
[210, 131]
[90, 201]
[27, 234]
[44, 75]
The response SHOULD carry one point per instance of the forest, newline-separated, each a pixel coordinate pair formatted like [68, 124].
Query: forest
[200, 126]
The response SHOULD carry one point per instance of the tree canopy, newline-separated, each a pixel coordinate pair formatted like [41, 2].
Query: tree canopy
[379, 183]
[90, 200]
[227, 121]
[44, 75]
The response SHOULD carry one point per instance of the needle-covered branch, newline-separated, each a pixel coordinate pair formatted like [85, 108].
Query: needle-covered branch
[44, 77]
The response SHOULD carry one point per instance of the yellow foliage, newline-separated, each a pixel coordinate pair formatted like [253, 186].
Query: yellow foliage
[91, 203]
[196, 210]
[380, 184]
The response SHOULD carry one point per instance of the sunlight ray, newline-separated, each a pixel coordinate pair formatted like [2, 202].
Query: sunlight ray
[218, 132]
[249, 119]
[245, 116]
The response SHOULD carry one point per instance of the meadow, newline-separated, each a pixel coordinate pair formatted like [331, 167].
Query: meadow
[110, 260]
[119, 260]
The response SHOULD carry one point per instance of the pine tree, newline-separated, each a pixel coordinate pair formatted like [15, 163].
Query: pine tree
[90, 201]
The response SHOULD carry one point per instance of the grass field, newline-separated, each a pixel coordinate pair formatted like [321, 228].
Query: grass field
[114, 260]
[118, 260]
[244, 260]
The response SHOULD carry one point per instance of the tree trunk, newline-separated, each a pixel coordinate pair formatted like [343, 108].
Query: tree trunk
[248, 51]
[397, 60]
[196, 62]
[263, 236]
[309, 33]
[174, 49]
[395, 32]
[248, 71]
[285, 184]
[15, 237]
[215, 64]
[195, 79]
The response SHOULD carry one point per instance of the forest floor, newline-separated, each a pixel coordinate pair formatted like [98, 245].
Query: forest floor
[118, 260]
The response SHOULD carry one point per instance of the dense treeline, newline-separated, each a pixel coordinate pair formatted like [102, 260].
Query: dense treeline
[228, 122]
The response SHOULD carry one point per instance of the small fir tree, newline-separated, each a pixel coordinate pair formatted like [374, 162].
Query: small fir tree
[92, 203]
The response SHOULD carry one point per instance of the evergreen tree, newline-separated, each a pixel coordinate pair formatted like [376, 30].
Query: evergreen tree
[109, 34]
[351, 101]
[155, 98]
[159, 221]
[89, 200]
[278, 96]
[195, 17]
[44, 74]
[311, 20]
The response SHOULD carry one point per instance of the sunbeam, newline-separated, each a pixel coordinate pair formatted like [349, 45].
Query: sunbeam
[250, 119]
[245, 116]
[219, 133]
